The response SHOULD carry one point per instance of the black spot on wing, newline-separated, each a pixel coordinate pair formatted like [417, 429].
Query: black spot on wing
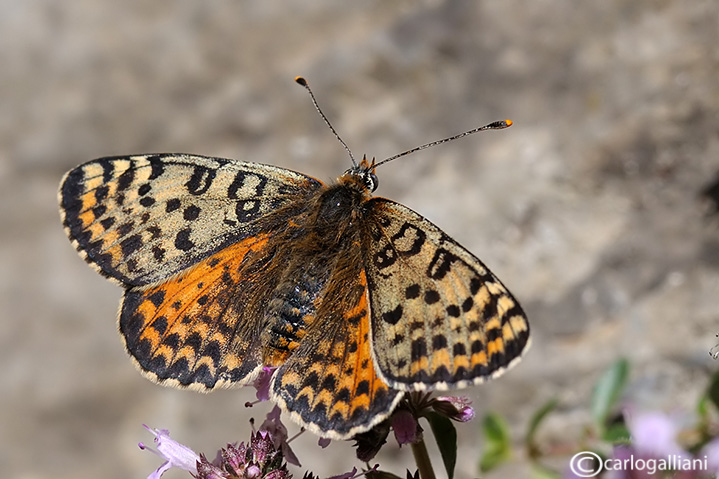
[157, 166]
[101, 193]
[125, 180]
[157, 298]
[412, 291]
[431, 296]
[191, 213]
[201, 180]
[172, 205]
[418, 348]
[147, 201]
[183, 241]
[441, 264]
[392, 317]
[439, 341]
[131, 244]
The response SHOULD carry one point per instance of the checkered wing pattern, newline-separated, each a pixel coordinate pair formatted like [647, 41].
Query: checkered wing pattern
[440, 318]
[141, 219]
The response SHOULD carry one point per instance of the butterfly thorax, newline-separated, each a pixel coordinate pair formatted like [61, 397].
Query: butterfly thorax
[339, 207]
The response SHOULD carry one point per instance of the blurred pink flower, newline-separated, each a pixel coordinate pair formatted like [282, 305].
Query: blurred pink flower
[654, 434]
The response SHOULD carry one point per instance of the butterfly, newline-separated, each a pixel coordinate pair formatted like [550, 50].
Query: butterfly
[230, 267]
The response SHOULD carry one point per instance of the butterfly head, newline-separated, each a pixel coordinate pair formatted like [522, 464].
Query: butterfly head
[365, 172]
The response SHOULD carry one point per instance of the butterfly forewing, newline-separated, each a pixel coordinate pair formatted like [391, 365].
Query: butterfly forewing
[440, 318]
[140, 219]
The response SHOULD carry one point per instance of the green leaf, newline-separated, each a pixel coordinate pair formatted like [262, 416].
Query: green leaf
[542, 472]
[607, 391]
[534, 423]
[498, 444]
[446, 437]
[617, 434]
[702, 407]
[704, 421]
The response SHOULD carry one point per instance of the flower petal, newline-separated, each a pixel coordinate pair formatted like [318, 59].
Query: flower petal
[654, 434]
[405, 427]
[262, 383]
[174, 453]
[458, 408]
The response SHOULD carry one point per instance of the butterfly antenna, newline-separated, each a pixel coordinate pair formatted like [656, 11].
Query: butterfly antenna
[303, 82]
[497, 125]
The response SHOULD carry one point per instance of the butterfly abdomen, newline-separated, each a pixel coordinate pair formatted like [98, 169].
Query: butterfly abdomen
[290, 312]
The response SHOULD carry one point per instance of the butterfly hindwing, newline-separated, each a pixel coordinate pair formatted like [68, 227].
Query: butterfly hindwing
[329, 383]
[201, 328]
[440, 318]
[141, 219]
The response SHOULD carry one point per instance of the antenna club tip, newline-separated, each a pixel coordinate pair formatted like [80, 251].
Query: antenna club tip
[508, 122]
[301, 81]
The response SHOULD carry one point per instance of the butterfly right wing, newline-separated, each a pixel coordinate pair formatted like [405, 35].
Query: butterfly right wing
[329, 384]
[141, 219]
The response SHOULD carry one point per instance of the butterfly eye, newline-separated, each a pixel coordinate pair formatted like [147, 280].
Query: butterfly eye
[371, 181]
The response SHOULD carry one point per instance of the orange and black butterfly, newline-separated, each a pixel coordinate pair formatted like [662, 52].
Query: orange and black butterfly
[229, 267]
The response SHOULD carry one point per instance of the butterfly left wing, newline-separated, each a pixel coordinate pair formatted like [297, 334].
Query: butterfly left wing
[187, 236]
[329, 383]
[201, 328]
[440, 318]
[140, 219]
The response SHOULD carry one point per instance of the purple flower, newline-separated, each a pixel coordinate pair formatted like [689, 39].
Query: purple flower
[355, 474]
[404, 421]
[278, 432]
[654, 434]
[711, 451]
[207, 470]
[346, 475]
[262, 447]
[258, 460]
[458, 408]
[234, 458]
[262, 383]
[174, 453]
[405, 426]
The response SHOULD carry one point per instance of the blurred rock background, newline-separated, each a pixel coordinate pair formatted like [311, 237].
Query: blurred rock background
[588, 208]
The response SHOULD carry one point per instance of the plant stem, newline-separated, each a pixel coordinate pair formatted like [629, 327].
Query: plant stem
[421, 457]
